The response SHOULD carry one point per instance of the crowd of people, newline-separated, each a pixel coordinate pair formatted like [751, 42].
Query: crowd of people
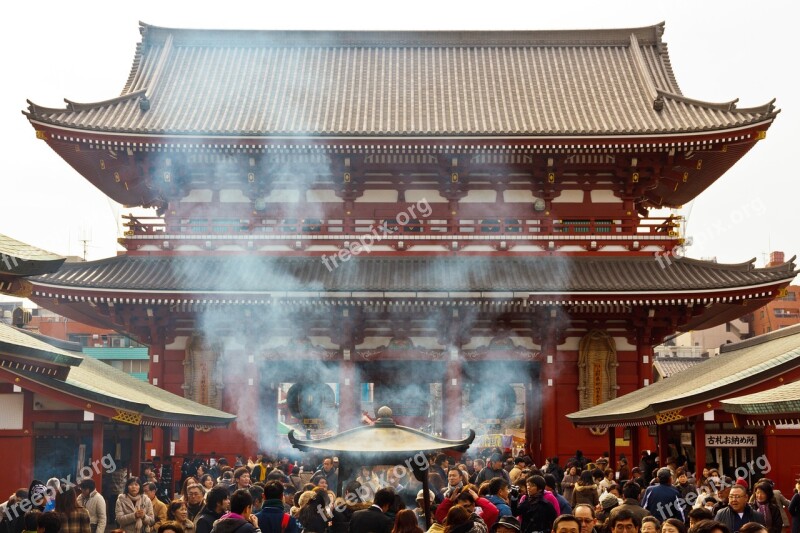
[497, 493]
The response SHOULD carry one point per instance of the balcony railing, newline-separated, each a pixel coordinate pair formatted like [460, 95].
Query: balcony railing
[502, 233]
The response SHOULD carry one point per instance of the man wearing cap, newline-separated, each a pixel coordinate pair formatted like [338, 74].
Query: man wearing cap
[492, 470]
[419, 510]
[516, 472]
[663, 500]
[607, 504]
[506, 524]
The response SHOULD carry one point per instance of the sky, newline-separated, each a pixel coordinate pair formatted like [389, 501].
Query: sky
[82, 50]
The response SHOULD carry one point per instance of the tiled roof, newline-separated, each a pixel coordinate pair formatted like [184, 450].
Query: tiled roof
[98, 382]
[783, 399]
[19, 342]
[739, 366]
[668, 366]
[243, 274]
[303, 83]
[20, 259]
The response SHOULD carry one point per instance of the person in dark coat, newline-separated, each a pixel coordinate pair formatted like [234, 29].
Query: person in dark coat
[272, 517]
[346, 506]
[217, 501]
[794, 508]
[764, 502]
[375, 519]
[738, 513]
[663, 500]
[240, 518]
[535, 513]
[631, 491]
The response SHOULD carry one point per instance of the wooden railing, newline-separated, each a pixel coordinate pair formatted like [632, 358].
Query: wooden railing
[631, 232]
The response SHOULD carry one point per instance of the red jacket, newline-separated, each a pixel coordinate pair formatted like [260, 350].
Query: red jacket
[489, 512]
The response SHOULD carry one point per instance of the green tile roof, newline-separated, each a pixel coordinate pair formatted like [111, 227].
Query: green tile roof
[20, 343]
[97, 382]
[20, 259]
[739, 366]
[781, 400]
[117, 354]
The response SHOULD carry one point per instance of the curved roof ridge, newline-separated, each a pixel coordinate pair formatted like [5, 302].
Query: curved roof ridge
[760, 339]
[84, 106]
[744, 266]
[650, 35]
[730, 106]
[666, 62]
[36, 109]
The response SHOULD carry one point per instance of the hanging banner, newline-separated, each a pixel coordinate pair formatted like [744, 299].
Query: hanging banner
[731, 440]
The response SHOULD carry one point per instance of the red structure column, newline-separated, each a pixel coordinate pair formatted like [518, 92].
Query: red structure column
[549, 409]
[155, 373]
[136, 450]
[268, 419]
[533, 419]
[699, 443]
[663, 445]
[451, 392]
[348, 396]
[644, 376]
[97, 450]
[612, 448]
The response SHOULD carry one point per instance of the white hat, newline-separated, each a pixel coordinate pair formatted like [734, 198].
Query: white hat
[431, 496]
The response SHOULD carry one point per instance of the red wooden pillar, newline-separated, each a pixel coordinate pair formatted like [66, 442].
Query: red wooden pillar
[644, 376]
[451, 415]
[28, 455]
[699, 444]
[548, 395]
[155, 373]
[663, 445]
[645, 366]
[348, 393]
[533, 419]
[136, 451]
[166, 440]
[612, 448]
[97, 450]
[268, 419]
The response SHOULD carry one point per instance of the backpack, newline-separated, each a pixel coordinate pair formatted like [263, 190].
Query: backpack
[284, 522]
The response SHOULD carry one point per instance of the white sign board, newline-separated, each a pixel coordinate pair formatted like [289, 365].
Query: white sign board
[731, 440]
